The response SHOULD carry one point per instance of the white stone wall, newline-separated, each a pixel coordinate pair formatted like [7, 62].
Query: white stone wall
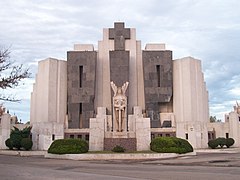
[190, 102]
[49, 102]
[103, 89]
[97, 128]
[5, 129]
[43, 132]
[143, 130]
[6, 124]
[234, 128]
[231, 126]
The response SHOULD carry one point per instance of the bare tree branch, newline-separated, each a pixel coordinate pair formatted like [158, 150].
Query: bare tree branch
[10, 74]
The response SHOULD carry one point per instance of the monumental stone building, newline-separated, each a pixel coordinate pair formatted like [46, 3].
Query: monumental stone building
[119, 94]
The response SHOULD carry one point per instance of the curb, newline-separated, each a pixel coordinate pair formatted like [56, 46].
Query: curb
[22, 153]
[125, 156]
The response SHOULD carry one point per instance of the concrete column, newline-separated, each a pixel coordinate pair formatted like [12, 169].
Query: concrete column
[143, 130]
[96, 131]
[103, 89]
[234, 128]
[190, 103]
[5, 122]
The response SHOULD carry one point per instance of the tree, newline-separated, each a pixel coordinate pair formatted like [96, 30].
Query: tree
[214, 119]
[10, 74]
[20, 138]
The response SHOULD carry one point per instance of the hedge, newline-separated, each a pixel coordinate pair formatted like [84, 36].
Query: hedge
[68, 146]
[16, 140]
[229, 142]
[212, 144]
[9, 144]
[26, 143]
[16, 137]
[170, 145]
[118, 149]
[221, 141]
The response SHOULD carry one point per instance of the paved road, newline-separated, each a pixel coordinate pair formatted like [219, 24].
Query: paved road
[203, 166]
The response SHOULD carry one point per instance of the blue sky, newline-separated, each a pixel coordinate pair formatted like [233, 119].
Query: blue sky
[206, 30]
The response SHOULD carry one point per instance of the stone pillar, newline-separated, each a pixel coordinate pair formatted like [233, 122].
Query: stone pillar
[48, 103]
[234, 128]
[190, 102]
[143, 130]
[5, 122]
[96, 133]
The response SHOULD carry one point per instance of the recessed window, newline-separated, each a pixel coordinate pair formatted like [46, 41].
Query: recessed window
[158, 75]
[186, 136]
[209, 136]
[79, 136]
[72, 136]
[227, 135]
[80, 76]
[80, 108]
[80, 115]
[152, 136]
[53, 137]
[87, 137]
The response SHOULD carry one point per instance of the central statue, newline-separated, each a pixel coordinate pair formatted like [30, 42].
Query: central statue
[119, 106]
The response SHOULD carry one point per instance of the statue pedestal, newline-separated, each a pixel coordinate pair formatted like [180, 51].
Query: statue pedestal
[119, 135]
[129, 144]
[102, 138]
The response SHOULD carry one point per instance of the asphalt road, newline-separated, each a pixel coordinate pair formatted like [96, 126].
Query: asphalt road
[204, 166]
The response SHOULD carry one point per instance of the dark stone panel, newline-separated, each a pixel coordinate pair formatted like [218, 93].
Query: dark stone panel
[73, 115]
[162, 134]
[84, 94]
[84, 136]
[167, 124]
[119, 67]
[158, 86]
[129, 144]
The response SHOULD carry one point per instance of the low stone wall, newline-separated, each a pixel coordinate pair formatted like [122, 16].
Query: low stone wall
[129, 144]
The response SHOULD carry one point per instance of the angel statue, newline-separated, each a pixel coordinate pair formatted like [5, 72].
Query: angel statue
[119, 105]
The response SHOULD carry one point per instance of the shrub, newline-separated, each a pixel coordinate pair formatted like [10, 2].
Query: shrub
[26, 143]
[221, 141]
[229, 142]
[68, 146]
[170, 145]
[213, 143]
[17, 135]
[8, 143]
[25, 133]
[16, 140]
[118, 149]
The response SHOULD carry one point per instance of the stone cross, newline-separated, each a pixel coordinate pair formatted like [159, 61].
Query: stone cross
[119, 33]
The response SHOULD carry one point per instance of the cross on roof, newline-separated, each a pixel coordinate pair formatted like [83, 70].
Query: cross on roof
[119, 33]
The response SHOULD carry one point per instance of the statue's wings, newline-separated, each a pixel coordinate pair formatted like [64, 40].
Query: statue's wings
[114, 88]
[124, 87]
